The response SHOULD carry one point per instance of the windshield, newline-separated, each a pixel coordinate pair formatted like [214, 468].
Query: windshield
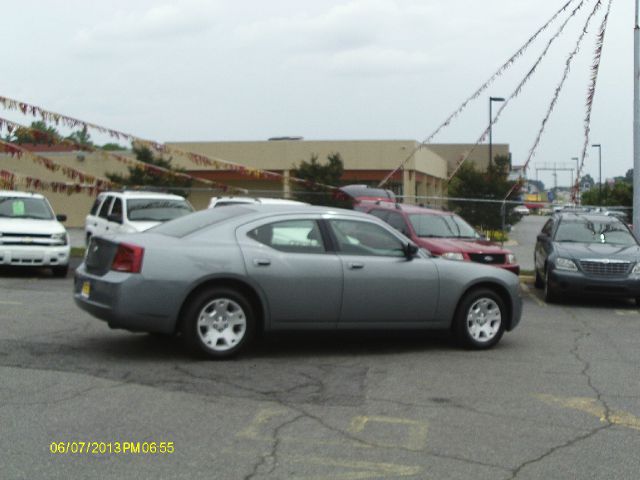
[25, 207]
[441, 226]
[587, 231]
[156, 209]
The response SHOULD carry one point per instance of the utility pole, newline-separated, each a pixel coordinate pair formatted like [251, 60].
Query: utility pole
[491, 100]
[599, 147]
[636, 123]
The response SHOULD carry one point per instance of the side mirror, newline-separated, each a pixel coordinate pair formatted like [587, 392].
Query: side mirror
[410, 250]
[542, 237]
[61, 218]
[115, 217]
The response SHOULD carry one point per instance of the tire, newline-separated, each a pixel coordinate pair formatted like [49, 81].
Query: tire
[480, 319]
[550, 295]
[88, 240]
[224, 334]
[637, 299]
[539, 283]
[60, 272]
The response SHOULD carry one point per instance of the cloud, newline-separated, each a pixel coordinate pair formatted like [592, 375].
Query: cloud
[162, 22]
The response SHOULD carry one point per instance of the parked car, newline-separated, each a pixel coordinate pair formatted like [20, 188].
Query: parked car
[443, 234]
[221, 275]
[132, 211]
[225, 201]
[521, 210]
[587, 254]
[31, 235]
[359, 194]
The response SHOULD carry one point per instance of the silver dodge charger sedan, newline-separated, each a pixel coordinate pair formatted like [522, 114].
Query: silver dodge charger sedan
[219, 276]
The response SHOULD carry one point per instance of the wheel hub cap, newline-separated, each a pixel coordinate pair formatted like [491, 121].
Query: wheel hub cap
[221, 324]
[484, 319]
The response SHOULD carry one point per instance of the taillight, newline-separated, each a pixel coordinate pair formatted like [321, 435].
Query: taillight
[128, 258]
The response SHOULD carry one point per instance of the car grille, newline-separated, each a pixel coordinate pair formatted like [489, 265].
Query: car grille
[489, 258]
[605, 268]
[26, 239]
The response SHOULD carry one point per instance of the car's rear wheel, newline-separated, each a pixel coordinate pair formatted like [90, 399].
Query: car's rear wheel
[480, 319]
[218, 323]
[549, 293]
[539, 283]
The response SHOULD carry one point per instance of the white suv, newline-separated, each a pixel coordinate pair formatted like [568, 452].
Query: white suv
[130, 212]
[223, 201]
[30, 234]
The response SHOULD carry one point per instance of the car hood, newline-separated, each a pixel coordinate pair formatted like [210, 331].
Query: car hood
[31, 226]
[597, 250]
[438, 245]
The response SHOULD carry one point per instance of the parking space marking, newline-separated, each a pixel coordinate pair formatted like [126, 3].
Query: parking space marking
[416, 432]
[372, 431]
[360, 469]
[8, 302]
[593, 407]
[531, 294]
[627, 313]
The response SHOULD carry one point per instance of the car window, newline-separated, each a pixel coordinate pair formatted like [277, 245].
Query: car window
[96, 206]
[294, 236]
[588, 231]
[188, 224]
[397, 221]
[365, 238]
[546, 230]
[381, 214]
[156, 209]
[116, 208]
[25, 207]
[449, 226]
[104, 210]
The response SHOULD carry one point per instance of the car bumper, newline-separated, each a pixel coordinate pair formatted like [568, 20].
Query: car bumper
[576, 283]
[510, 268]
[34, 255]
[122, 300]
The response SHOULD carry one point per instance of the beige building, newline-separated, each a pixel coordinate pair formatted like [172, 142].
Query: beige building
[365, 161]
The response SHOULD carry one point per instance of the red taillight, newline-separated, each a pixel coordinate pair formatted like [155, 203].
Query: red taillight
[128, 258]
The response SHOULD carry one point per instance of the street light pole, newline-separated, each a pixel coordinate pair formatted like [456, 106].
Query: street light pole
[491, 100]
[636, 122]
[599, 147]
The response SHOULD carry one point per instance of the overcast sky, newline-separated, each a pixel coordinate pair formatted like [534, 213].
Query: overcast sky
[361, 69]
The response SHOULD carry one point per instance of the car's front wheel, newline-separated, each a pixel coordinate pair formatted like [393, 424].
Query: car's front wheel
[549, 293]
[60, 272]
[480, 319]
[218, 323]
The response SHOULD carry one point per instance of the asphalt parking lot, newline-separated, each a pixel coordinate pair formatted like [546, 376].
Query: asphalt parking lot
[558, 398]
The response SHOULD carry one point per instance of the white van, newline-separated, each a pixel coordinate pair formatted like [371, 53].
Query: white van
[31, 235]
[131, 211]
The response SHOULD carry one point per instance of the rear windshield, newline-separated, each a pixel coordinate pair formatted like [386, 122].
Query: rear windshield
[156, 209]
[25, 207]
[183, 226]
[441, 226]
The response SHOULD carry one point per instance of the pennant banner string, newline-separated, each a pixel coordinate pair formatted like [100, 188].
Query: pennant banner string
[520, 86]
[479, 91]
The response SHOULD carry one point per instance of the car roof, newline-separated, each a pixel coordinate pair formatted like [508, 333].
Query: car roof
[137, 194]
[404, 207]
[256, 200]
[15, 193]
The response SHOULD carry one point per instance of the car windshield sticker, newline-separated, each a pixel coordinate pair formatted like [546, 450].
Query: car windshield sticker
[17, 208]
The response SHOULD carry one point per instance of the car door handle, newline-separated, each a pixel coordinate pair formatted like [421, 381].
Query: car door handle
[261, 262]
[355, 265]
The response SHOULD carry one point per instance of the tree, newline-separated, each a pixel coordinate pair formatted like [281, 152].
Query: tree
[470, 183]
[81, 137]
[39, 133]
[619, 194]
[112, 147]
[145, 177]
[629, 176]
[317, 173]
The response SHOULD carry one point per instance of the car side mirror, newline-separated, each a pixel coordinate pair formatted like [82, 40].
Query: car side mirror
[542, 237]
[410, 250]
[61, 218]
[115, 217]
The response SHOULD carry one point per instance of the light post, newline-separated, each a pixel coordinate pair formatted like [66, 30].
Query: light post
[599, 147]
[491, 100]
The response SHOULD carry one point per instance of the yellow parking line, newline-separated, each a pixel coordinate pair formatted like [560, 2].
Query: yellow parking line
[7, 302]
[627, 313]
[535, 298]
